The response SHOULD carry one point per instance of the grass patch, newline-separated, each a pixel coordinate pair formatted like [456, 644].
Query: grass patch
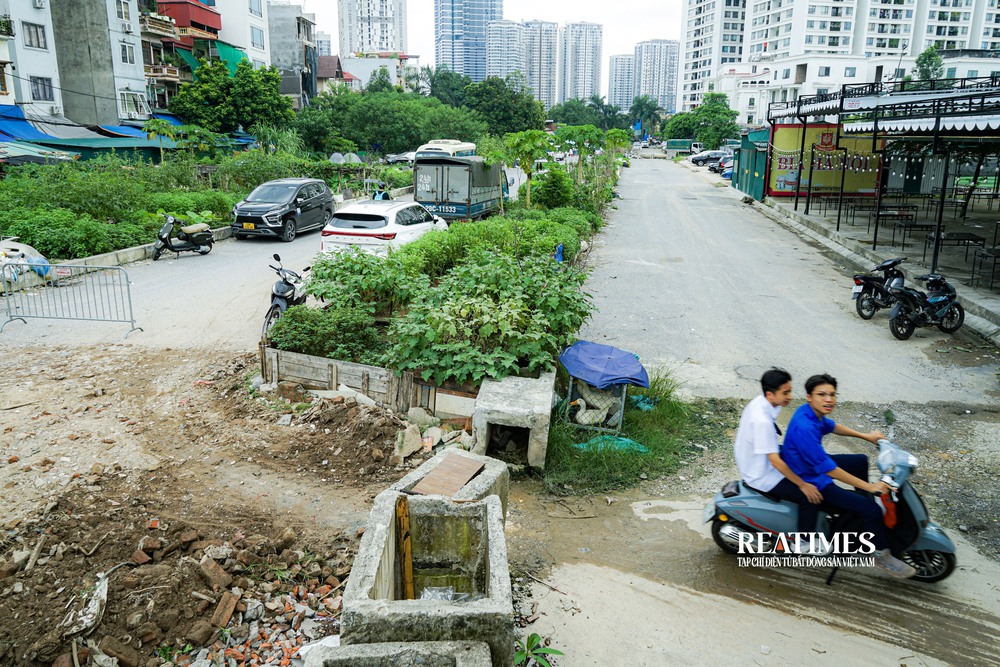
[667, 430]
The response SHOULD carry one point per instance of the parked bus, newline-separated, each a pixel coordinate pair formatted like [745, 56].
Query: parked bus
[446, 148]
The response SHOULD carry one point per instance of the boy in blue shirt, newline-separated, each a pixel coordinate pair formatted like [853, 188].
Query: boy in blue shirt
[803, 452]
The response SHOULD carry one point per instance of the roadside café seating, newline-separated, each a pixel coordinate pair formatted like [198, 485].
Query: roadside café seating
[983, 259]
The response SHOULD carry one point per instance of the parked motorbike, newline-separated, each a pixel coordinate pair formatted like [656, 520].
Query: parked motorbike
[289, 290]
[872, 293]
[938, 307]
[195, 238]
[913, 537]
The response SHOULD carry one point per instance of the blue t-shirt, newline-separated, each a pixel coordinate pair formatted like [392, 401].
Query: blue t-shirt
[803, 448]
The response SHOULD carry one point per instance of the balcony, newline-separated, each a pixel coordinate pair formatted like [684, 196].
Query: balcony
[6, 26]
[196, 33]
[155, 24]
[163, 72]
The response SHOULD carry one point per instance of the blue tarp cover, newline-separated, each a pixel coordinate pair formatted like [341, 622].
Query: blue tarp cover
[14, 124]
[169, 117]
[602, 365]
[124, 130]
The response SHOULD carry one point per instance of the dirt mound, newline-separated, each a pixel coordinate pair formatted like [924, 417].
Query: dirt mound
[174, 585]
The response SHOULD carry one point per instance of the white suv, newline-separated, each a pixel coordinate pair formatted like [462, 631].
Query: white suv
[376, 226]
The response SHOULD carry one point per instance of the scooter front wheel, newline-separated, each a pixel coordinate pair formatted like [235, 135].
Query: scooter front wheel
[272, 316]
[953, 319]
[901, 326]
[931, 566]
[157, 251]
[725, 535]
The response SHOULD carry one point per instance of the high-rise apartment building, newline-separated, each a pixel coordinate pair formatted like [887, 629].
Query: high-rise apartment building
[504, 48]
[621, 81]
[580, 61]
[372, 26]
[324, 44]
[460, 34]
[541, 55]
[713, 36]
[656, 69]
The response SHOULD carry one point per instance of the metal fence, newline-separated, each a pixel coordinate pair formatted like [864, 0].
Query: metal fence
[66, 292]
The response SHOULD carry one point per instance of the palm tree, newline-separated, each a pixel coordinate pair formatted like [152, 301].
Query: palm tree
[645, 110]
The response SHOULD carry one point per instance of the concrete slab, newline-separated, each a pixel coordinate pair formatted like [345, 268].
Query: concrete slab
[494, 480]
[402, 654]
[519, 402]
[459, 545]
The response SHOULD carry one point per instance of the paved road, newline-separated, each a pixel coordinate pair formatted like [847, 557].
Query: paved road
[697, 283]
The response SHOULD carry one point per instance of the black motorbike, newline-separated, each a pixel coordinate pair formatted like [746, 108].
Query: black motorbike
[289, 290]
[872, 293]
[938, 307]
[194, 238]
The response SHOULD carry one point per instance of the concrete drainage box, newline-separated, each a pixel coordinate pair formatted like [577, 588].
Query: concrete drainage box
[523, 403]
[492, 480]
[453, 544]
[401, 654]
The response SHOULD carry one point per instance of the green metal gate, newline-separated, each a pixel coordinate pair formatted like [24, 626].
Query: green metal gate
[750, 164]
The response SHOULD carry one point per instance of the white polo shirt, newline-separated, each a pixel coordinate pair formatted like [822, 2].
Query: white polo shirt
[755, 439]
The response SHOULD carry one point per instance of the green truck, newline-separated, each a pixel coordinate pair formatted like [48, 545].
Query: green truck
[678, 145]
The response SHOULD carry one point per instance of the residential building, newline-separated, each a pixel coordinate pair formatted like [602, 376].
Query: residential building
[158, 34]
[746, 86]
[33, 71]
[293, 50]
[580, 61]
[713, 38]
[369, 26]
[460, 34]
[6, 47]
[324, 44]
[245, 27]
[656, 70]
[402, 69]
[621, 81]
[330, 75]
[541, 60]
[505, 48]
[106, 68]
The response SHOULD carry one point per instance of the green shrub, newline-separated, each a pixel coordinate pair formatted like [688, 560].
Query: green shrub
[62, 234]
[359, 280]
[552, 189]
[220, 203]
[246, 170]
[347, 334]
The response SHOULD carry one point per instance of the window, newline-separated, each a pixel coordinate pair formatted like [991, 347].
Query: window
[41, 89]
[34, 35]
[3, 82]
[950, 73]
[132, 104]
[850, 72]
[128, 54]
[256, 37]
[786, 73]
[973, 73]
[122, 10]
[824, 71]
[255, 7]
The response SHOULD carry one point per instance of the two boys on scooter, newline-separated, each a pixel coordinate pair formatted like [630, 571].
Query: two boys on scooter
[803, 472]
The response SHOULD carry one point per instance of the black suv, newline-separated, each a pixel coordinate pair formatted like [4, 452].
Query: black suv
[283, 208]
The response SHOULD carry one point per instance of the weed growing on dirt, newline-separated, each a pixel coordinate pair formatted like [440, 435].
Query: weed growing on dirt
[665, 431]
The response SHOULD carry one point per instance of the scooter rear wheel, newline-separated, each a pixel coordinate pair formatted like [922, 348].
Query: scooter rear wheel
[901, 326]
[865, 305]
[931, 566]
[723, 543]
[205, 249]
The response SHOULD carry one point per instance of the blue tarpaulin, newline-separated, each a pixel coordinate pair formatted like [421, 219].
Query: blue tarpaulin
[14, 124]
[602, 365]
[124, 130]
[169, 117]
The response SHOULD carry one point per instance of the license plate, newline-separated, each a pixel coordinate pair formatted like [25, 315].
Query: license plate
[709, 512]
[857, 289]
[247, 225]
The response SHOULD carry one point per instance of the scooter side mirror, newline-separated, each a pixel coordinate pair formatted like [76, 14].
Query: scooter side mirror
[276, 257]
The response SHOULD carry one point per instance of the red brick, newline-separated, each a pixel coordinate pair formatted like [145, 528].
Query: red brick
[141, 557]
[214, 575]
[127, 656]
[224, 610]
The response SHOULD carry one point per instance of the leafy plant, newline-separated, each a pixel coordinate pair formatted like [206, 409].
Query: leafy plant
[355, 279]
[532, 649]
[348, 334]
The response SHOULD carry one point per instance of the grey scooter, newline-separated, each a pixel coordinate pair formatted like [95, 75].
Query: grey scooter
[738, 511]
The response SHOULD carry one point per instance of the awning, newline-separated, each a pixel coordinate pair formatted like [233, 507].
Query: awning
[62, 128]
[230, 55]
[15, 125]
[123, 131]
[189, 58]
[16, 152]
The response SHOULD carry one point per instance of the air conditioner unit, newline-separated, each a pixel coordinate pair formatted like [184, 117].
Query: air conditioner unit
[132, 115]
[126, 27]
[39, 4]
[55, 109]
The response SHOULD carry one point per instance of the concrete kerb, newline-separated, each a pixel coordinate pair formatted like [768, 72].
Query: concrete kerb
[447, 537]
[982, 310]
[493, 480]
[400, 654]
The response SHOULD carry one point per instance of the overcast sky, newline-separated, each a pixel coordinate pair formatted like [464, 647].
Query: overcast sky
[625, 22]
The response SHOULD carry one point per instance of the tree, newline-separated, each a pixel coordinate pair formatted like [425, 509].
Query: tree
[380, 82]
[645, 110]
[929, 65]
[524, 148]
[586, 139]
[554, 189]
[681, 126]
[442, 121]
[445, 85]
[505, 105]
[157, 128]
[611, 116]
[219, 102]
[575, 112]
[257, 99]
[714, 120]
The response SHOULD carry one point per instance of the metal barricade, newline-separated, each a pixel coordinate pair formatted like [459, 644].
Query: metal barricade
[66, 292]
